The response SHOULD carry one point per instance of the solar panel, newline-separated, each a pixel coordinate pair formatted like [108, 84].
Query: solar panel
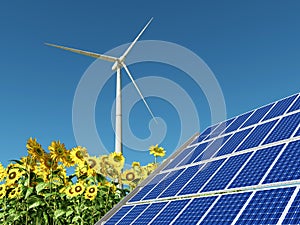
[257, 136]
[194, 211]
[266, 206]
[293, 215]
[226, 209]
[237, 122]
[226, 173]
[258, 165]
[296, 105]
[245, 170]
[170, 212]
[280, 107]
[257, 115]
[284, 129]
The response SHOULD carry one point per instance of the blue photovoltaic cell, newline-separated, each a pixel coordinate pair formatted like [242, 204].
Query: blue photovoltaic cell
[226, 173]
[118, 215]
[178, 158]
[237, 122]
[222, 126]
[257, 115]
[233, 142]
[226, 209]
[212, 149]
[194, 154]
[295, 106]
[180, 181]
[266, 206]
[293, 215]
[280, 107]
[257, 135]
[194, 211]
[284, 128]
[149, 213]
[287, 166]
[162, 185]
[170, 212]
[256, 168]
[134, 213]
[148, 187]
[201, 177]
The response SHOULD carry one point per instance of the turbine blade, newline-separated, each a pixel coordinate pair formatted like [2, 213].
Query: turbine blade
[135, 40]
[91, 54]
[138, 90]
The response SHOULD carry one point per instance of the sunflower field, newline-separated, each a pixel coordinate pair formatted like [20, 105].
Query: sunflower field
[64, 186]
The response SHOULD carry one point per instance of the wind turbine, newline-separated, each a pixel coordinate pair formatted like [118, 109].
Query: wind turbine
[119, 63]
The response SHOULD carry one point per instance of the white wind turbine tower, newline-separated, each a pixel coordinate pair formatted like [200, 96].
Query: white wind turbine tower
[119, 63]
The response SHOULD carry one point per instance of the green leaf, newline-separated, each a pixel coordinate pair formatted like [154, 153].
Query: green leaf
[58, 213]
[41, 186]
[16, 161]
[35, 204]
[28, 192]
[68, 213]
[76, 218]
[45, 215]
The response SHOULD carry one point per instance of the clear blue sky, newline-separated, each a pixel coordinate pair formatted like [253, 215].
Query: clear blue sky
[251, 46]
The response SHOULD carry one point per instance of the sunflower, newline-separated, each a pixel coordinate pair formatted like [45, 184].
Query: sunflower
[150, 168]
[35, 149]
[2, 190]
[91, 192]
[2, 172]
[57, 150]
[67, 160]
[111, 186]
[157, 151]
[70, 191]
[77, 155]
[13, 175]
[28, 162]
[78, 188]
[108, 169]
[117, 160]
[93, 162]
[135, 164]
[128, 176]
[48, 163]
[15, 192]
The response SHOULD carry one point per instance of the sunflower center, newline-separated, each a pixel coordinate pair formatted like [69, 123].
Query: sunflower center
[117, 158]
[78, 188]
[79, 155]
[39, 151]
[92, 163]
[12, 192]
[60, 151]
[130, 176]
[1, 188]
[70, 191]
[92, 190]
[12, 175]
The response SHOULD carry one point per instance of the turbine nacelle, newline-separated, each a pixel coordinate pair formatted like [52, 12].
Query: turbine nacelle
[118, 64]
